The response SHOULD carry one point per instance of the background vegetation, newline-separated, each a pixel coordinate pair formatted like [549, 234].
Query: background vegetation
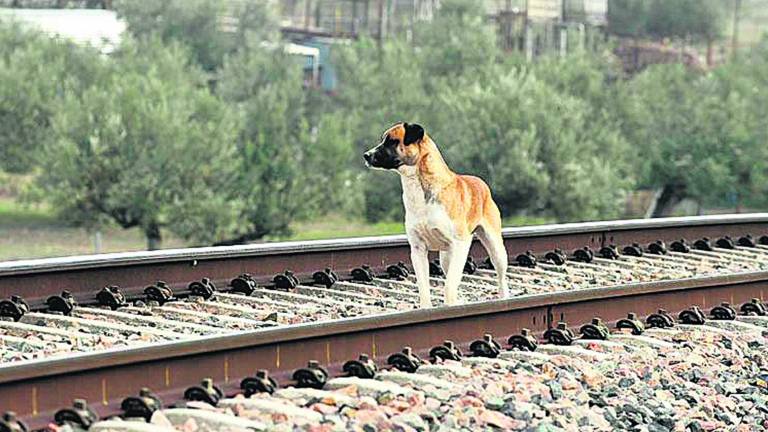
[205, 137]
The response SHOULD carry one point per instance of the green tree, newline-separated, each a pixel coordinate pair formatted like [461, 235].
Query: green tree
[289, 167]
[697, 19]
[541, 151]
[34, 71]
[147, 147]
[737, 93]
[457, 42]
[211, 28]
[628, 17]
[681, 132]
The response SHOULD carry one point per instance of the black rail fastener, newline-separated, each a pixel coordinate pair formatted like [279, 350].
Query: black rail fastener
[723, 312]
[10, 423]
[610, 252]
[313, 376]
[657, 248]
[435, 269]
[206, 392]
[763, 240]
[680, 246]
[487, 264]
[159, 293]
[631, 323]
[285, 281]
[703, 244]
[634, 250]
[141, 406]
[405, 361]
[527, 259]
[560, 335]
[725, 242]
[363, 367]
[244, 284]
[260, 383]
[584, 255]
[447, 351]
[13, 308]
[485, 347]
[753, 307]
[746, 241]
[693, 315]
[112, 297]
[556, 257]
[398, 271]
[63, 304]
[203, 288]
[470, 267]
[595, 330]
[363, 273]
[325, 277]
[660, 319]
[80, 414]
[523, 342]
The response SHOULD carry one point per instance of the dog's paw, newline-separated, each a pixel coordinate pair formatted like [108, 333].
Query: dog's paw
[453, 301]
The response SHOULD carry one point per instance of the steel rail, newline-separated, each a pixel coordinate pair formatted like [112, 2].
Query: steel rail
[298, 247]
[37, 279]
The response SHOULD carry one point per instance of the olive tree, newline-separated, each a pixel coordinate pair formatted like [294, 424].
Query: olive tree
[290, 165]
[34, 71]
[146, 147]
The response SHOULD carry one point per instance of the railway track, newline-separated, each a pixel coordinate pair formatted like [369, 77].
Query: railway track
[101, 327]
[597, 381]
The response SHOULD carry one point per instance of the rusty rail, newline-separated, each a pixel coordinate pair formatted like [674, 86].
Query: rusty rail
[82, 275]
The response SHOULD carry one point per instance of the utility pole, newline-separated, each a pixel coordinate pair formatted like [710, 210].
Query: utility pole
[735, 36]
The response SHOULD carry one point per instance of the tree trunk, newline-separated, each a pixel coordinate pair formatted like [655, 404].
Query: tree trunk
[152, 232]
[665, 202]
[635, 54]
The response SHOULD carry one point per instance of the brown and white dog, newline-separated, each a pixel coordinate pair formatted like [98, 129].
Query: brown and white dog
[442, 209]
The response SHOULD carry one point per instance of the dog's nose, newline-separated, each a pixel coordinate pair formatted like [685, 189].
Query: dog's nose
[368, 156]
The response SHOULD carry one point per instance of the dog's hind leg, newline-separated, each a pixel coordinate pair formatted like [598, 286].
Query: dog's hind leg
[494, 245]
[445, 260]
[457, 255]
[420, 262]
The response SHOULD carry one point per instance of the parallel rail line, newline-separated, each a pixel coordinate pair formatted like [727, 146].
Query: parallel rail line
[169, 345]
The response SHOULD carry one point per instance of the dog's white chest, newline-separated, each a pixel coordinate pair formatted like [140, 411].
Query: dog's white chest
[426, 221]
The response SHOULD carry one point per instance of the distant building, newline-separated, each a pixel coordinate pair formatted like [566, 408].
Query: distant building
[534, 27]
[97, 27]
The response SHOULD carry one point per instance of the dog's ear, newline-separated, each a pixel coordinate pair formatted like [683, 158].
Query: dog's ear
[413, 133]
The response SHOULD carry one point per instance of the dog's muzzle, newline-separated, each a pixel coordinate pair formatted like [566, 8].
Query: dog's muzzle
[368, 156]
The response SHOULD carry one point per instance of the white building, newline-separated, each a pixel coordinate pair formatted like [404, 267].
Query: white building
[96, 27]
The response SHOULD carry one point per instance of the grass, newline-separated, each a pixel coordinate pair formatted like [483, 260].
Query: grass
[36, 232]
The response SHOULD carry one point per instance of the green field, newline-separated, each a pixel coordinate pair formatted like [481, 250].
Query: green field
[35, 232]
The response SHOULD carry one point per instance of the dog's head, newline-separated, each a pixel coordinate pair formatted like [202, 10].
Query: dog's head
[400, 145]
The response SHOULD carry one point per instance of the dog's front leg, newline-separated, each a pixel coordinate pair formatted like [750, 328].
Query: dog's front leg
[420, 262]
[457, 257]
